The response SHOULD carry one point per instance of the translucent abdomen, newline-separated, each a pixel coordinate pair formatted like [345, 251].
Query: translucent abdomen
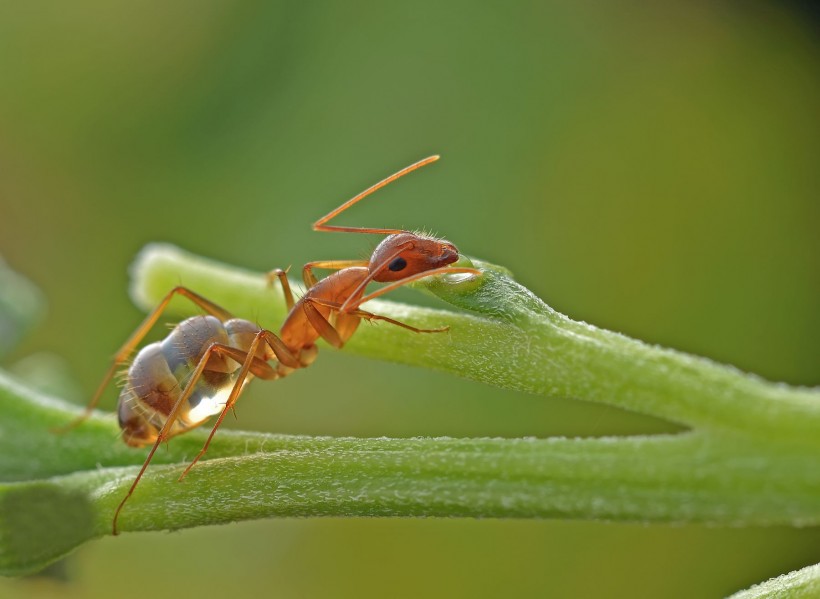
[159, 373]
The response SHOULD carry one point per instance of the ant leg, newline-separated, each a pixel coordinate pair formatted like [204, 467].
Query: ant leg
[137, 336]
[307, 270]
[396, 284]
[404, 325]
[252, 364]
[282, 275]
[370, 316]
[321, 325]
[329, 333]
[165, 433]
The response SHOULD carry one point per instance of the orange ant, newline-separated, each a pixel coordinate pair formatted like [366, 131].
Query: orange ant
[201, 367]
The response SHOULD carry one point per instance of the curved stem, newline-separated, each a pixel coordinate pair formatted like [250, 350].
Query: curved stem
[511, 339]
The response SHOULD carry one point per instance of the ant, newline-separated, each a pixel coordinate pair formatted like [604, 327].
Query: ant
[200, 369]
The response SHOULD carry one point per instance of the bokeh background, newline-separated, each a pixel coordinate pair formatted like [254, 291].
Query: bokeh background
[651, 168]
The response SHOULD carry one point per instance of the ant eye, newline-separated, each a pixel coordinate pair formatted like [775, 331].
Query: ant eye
[397, 264]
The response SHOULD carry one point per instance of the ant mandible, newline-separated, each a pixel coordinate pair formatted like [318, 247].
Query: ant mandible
[201, 367]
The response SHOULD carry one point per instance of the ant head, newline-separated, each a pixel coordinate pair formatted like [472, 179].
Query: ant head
[405, 254]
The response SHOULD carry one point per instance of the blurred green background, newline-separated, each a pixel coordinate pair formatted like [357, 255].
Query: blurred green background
[651, 168]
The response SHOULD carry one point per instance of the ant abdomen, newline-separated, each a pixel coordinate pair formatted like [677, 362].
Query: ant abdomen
[161, 370]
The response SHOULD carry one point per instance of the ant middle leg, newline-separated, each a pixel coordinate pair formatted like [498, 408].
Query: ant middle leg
[282, 276]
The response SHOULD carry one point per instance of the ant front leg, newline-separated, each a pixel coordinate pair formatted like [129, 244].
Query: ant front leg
[124, 353]
[351, 304]
[330, 333]
[364, 315]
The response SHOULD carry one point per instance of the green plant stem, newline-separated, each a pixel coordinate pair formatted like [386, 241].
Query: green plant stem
[512, 339]
[751, 457]
[61, 498]
[801, 584]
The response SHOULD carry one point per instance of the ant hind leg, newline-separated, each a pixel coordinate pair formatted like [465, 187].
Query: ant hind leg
[123, 354]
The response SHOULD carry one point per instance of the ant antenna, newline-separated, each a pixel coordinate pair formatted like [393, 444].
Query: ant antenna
[320, 225]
